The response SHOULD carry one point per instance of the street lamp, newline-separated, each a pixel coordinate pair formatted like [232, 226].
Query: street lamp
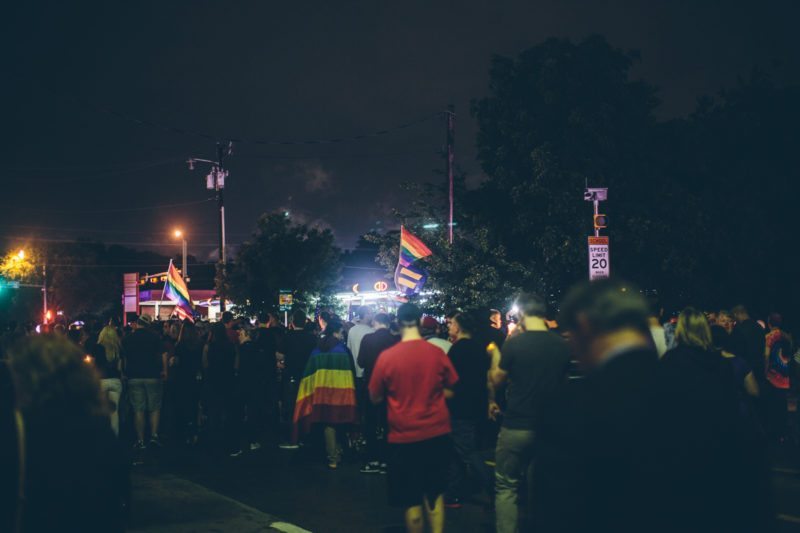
[184, 268]
[22, 267]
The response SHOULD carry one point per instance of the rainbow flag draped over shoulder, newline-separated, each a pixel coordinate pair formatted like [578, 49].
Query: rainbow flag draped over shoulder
[408, 278]
[175, 289]
[327, 392]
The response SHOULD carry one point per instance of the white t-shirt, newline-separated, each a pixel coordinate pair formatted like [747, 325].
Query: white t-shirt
[445, 345]
[354, 337]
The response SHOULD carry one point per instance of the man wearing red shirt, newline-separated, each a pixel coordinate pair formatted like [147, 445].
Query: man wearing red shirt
[415, 377]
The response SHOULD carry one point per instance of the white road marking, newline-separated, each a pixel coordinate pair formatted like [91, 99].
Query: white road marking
[291, 528]
[786, 470]
[789, 518]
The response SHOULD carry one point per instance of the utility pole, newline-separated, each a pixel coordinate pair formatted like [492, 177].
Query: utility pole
[215, 181]
[451, 132]
[44, 293]
[219, 185]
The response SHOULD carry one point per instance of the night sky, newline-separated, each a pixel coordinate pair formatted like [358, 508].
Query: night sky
[294, 71]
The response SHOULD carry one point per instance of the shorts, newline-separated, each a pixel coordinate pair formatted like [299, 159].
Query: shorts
[418, 470]
[145, 394]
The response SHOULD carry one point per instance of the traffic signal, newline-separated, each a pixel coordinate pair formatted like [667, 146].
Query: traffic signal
[600, 221]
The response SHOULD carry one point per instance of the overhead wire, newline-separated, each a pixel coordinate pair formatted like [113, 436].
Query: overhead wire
[102, 211]
[259, 141]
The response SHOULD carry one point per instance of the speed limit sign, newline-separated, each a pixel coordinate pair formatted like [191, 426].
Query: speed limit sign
[599, 260]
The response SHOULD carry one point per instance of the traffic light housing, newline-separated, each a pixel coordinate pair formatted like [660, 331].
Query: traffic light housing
[600, 221]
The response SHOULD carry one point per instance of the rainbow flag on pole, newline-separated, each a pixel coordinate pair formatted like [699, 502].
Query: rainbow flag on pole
[175, 289]
[408, 278]
[411, 248]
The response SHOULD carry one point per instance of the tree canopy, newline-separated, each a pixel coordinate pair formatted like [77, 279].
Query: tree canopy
[699, 206]
[283, 255]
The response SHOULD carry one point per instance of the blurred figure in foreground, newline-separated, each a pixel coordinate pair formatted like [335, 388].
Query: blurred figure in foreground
[635, 445]
[75, 479]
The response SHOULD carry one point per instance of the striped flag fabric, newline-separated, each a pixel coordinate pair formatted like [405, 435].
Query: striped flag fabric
[408, 278]
[411, 248]
[327, 391]
[175, 289]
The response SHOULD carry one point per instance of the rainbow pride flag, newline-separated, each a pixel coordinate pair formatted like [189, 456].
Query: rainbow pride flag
[411, 248]
[327, 392]
[408, 278]
[175, 289]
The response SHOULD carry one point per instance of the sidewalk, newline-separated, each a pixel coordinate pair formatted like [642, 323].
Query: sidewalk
[166, 503]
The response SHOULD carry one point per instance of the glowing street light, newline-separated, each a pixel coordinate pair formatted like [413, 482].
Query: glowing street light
[21, 254]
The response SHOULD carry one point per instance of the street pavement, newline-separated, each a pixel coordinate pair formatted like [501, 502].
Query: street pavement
[265, 486]
[183, 490]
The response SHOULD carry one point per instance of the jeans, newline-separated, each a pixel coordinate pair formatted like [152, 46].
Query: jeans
[466, 459]
[513, 458]
[112, 387]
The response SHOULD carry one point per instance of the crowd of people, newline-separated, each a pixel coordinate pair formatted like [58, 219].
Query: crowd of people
[609, 418]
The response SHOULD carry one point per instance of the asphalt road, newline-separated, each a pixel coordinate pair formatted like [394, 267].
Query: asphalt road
[179, 489]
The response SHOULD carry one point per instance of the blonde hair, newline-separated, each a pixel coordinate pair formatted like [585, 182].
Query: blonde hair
[693, 329]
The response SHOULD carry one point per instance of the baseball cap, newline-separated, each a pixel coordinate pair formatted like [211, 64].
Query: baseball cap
[428, 322]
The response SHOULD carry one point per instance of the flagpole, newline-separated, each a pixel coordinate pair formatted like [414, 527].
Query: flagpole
[164, 290]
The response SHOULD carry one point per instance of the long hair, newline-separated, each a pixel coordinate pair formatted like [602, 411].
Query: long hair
[110, 341]
[693, 329]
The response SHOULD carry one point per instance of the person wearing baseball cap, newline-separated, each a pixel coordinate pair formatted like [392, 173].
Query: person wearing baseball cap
[429, 328]
[414, 377]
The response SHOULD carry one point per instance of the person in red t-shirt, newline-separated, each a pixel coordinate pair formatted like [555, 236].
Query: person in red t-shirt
[415, 377]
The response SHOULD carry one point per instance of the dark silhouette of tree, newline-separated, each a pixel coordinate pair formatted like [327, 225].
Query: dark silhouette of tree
[282, 255]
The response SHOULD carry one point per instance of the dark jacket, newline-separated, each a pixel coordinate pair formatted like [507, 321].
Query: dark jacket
[635, 440]
[371, 347]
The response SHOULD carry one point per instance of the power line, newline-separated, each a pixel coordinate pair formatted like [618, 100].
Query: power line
[60, 229]
[237, 139]
[107, 170]
[101, 211]
[120, 243]
[139, 265]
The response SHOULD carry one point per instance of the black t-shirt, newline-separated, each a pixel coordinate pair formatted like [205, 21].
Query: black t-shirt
[470, 396]
[748, 342]
[190, 357]
[142, 350]
[371, 347]
[537, 363]
[297, 346]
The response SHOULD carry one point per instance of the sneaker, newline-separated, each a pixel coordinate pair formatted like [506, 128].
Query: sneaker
[154, 441]
[288, 446]
[371, 468]
[452, 503]
[237, 453]
[139, 445]
[255, 446]
[333, 466]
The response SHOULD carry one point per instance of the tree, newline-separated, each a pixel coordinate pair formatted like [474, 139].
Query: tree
[557, 117]
[282, 255]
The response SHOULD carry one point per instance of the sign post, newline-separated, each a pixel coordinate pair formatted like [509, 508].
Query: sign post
[599, 259]
[130, 295]
[285, 300]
